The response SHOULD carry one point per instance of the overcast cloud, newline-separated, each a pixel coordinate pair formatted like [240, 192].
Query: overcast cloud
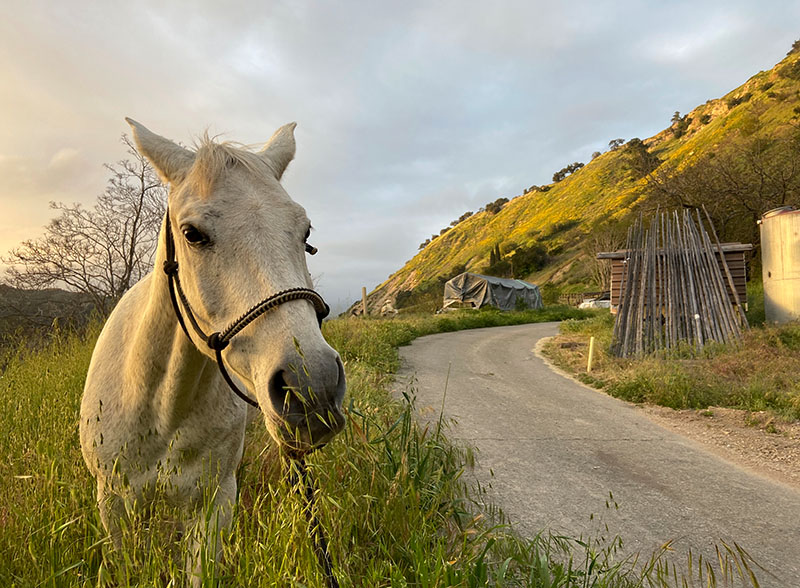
[409, 113]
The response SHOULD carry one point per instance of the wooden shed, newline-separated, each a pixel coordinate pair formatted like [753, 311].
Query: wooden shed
[734, 256]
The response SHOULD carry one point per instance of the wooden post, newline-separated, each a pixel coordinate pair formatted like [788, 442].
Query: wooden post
[591, 355]
[742, 317]
[364, 301]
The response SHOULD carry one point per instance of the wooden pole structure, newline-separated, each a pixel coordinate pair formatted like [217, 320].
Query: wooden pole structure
[622, 308]
[727, 319]
[674, 289]
[591, 355]
[364, 301]
[731, 284]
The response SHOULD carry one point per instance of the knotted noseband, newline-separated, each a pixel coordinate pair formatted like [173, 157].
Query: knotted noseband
[219, 340]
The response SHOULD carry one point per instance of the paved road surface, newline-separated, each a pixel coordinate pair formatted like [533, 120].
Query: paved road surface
[557, 448]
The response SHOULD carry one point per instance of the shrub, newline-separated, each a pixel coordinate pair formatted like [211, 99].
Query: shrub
[496, 206]
[680, 124]
[639, 158]
[557, 228]
[535, 188]
[755, 303]
[615, 144]
[462, 218]
[565, 171]
[550, 293]
[790, 70]
[500, 269]
[735, 101]
[526, 260]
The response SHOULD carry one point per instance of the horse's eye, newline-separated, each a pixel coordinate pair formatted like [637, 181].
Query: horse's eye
[194, 236]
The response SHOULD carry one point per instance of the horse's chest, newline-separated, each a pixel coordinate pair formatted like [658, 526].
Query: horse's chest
[182, 458]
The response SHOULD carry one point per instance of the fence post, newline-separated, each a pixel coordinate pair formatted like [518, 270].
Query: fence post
[591, 355]
[364, 300]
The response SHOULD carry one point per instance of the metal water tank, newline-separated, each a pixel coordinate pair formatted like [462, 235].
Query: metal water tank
[780, 260]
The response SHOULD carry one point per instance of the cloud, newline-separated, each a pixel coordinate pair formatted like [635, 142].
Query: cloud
[409, 114]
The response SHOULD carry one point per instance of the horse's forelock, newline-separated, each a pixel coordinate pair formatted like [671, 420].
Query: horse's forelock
[212, 159]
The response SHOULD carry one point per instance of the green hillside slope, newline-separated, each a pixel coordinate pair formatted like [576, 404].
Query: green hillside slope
[736, 154]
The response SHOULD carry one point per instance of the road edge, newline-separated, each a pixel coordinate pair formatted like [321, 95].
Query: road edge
[677, 425]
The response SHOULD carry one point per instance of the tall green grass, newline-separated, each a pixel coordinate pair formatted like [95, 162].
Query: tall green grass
[392, 497]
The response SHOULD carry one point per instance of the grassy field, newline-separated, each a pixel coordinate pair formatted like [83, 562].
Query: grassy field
[394, 503]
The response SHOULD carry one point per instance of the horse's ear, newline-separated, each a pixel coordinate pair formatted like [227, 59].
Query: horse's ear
[279, 150]
[172, 162]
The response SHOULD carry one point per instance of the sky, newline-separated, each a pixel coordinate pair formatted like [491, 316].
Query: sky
[409, 113]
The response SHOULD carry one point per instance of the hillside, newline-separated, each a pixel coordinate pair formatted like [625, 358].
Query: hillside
[718, 155]
[31, 311]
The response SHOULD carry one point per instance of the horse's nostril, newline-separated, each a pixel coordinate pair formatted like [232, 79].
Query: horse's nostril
[285, 398]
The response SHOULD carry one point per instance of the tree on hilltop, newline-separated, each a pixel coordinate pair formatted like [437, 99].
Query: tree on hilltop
[496, 206]
[641, 161]
[615, 144]
[565, 171]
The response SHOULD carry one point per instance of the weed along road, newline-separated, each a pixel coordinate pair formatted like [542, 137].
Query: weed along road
[552, 451]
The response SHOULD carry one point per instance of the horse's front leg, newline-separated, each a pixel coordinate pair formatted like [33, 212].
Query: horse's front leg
[207, 531]
[112, 512]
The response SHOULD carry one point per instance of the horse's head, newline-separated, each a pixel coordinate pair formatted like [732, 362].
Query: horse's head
[239, 238]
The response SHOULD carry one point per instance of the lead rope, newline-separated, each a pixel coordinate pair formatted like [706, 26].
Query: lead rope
[219, 341]
[317, 533]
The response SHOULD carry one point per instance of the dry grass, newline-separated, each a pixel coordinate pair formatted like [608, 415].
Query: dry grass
[762, 373]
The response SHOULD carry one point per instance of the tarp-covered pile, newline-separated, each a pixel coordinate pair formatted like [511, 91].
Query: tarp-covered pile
[476, 291]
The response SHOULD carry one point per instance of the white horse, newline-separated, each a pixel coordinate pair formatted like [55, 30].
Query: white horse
[157, 416]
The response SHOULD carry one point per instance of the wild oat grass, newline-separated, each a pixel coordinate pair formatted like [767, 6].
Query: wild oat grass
[391, 496]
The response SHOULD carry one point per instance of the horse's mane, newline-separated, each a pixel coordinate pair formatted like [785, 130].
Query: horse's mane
[212, 159]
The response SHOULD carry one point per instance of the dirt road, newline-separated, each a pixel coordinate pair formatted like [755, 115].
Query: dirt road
[554, 450]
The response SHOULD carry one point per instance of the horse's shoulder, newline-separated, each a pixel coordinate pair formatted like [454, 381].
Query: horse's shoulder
[132, 302]
[121, 324]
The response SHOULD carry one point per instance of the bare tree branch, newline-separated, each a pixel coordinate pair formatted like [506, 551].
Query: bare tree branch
[101, 251]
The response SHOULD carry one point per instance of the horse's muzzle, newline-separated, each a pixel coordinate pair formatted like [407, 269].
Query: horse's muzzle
[313, 432]
[308, 407]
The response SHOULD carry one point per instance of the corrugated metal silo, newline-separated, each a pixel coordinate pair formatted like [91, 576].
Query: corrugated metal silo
[780, 260]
